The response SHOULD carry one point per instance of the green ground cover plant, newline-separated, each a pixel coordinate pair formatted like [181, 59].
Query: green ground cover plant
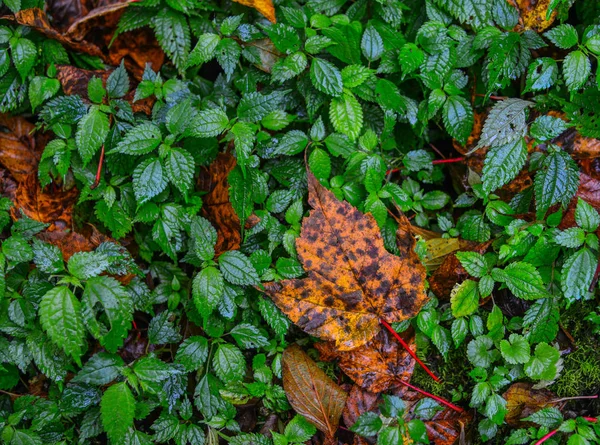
[299, 222]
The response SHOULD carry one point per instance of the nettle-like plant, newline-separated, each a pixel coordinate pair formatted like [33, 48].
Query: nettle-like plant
[315, 220]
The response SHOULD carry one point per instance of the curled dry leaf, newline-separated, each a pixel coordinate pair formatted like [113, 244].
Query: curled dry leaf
[265, 7]
[103, 16]
[353, 282]
[19, 150]
[311, 392]
[36, 19]
[359, 401]
[216, 206]
[522, 401]
[377, 365]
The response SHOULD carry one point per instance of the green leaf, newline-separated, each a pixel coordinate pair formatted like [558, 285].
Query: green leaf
[542, 365]
[576, 69]
[299, 430]
[371, 44]
[541, 321]
[117, 409]
[105, 294]
[435, 200]
[288, 68]
[346, 115]
[284, 37]
[577, 274]
[209, 123]
[586, 216]
[368, 424]
[140, 140]
[228, 55]
[248, 336]
[192, 353]
[502, 164]
[523, 280]
[60, 316]
[173, 34]
[95, 90]
[204, 237]
[41, 89]
[564, 36]
[292, 143]
[464, 299]
[150, 369]
[117, 84]
[101, 369]
[179, 167]
[204, 50]
[459, 331]
[556, 182]
[237, 268]
[17, 249]
[515, 350]
[542, 74]
[229, 363]
[472, 12]
[326, 77]
[47, 258]
[410, 57]
[84, 265]
[478, 352]
[571, 238]
[161, 330]
[473, 262]
[255, 106]
[545, 128]
[389, 97]
[91, 133]
[24, 54]
[148, 180]
[179, 116]
[458, 118]
[207, 290]
[505, 123]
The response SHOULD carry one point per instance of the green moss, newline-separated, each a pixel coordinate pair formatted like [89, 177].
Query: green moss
[581, 371]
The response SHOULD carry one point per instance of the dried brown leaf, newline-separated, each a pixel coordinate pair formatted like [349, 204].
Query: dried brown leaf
[216, 206]
[377, 365]
[19, 150]
[522, 401]
[353, 282]
[311, 392]
[265, 7]
[533, 14]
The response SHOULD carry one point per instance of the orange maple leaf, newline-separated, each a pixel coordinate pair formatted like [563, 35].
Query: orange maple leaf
[265, 7]
[353, 282]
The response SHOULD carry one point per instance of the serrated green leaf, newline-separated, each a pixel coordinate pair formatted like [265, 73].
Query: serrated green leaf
[60, 316]
[228, 363]
[458, 118]
[207, 289]
[576, 69]
[577, 274]
[326, 77]
[237, 268]
[505, 123]
[148, 180]
[524, 280]
[564, 36]
[464, 299]
[473, 262]
[209, 123]
[117, 409]
[204, 50]
[179, 168]
[173, 34]
[84, 265]
[515, 350]
[140, 140]
[91, 133]
[192, 353]
[371, 44]
[557, 182]
[503, 163]
[586, 216]
[101, 369]
[346, 115]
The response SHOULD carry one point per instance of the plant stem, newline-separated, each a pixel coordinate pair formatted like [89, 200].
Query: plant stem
[448, 161]
[410, 351]
[564, 399]
[434, 397]
[99, 171]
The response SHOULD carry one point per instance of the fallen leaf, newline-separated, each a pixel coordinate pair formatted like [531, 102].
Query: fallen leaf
[37, 19]
[377, 365]
[533, 14]
[267, 52]
[353, 282]
[19, 150]
[265, 7]
[68, 242]
[311, 392]
[359, 401]
[216, 206]
[522, 401]
[103, 16]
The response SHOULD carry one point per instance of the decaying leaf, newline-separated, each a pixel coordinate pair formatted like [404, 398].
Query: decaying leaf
[533, 14]
[103, 16]
[216, 205]
[265, 7]
[311, 392]
[522, 401]
[19, 150]
[353, 282]
[267, 53]
[359, 401]
[376, 366]
[36, 19]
